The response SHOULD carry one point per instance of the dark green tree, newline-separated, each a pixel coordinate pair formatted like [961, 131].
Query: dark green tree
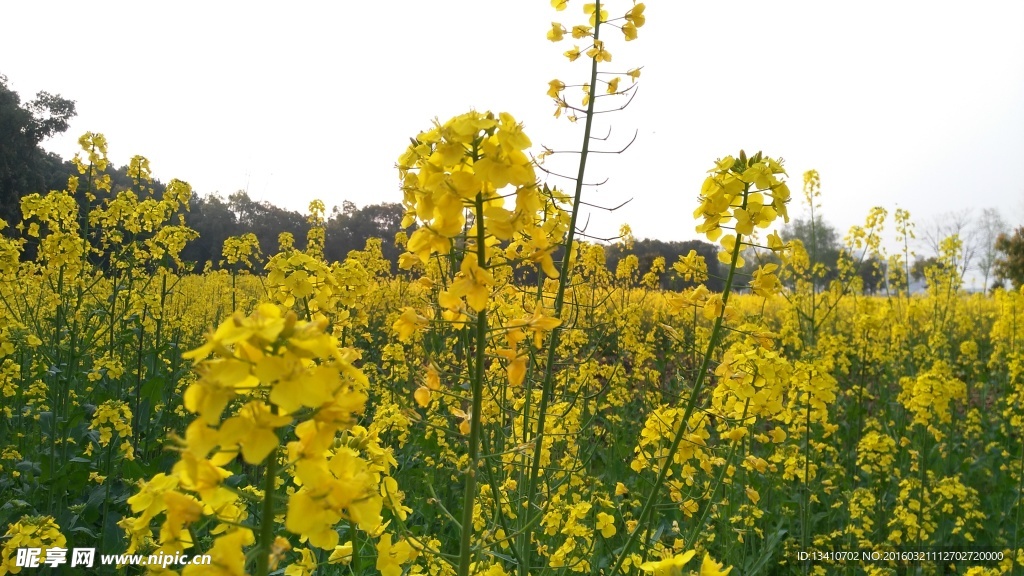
[348, 229]
[266, 221]
[213, 219]
[647, 250]
[24, 166]
[872, 273]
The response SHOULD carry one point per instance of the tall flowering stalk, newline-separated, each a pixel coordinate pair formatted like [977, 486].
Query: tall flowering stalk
[260, 376]
[740, 194]
[455, 170]
[453, 176]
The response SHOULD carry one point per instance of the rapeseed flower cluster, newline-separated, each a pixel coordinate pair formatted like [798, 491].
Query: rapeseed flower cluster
[509, 402]
[258, 376]
[40, 532]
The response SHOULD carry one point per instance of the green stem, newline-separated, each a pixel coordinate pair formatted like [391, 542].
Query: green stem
[922, 469]
[267, 519]
[469, 493]
[806, 496]
[547, 388]
[1020, 507]
[138, 375]
[106, 498]
[56, 389]
[699, 527]
[691, 404]
[356, 563]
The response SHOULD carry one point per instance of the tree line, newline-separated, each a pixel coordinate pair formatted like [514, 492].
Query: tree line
[989, 246]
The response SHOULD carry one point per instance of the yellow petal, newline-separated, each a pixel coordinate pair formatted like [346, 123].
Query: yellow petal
[422, 396]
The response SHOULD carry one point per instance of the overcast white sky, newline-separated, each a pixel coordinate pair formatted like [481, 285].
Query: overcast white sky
[911, 104]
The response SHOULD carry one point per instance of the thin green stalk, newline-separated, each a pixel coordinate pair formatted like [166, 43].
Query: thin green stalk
[547, 388]
[356, 562]
[698, 385]
[806, 496]
[922, 469]
[138, 375]
[1020, 508]
[57, 394]
[106, 498]
[699, 526]
[469, 492]
[267, 516]
[858, 431]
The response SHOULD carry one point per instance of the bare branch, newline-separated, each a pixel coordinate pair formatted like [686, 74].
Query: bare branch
[606, 136]
[572, 178]
[612, 209]
[620, 151]
[623, 107]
